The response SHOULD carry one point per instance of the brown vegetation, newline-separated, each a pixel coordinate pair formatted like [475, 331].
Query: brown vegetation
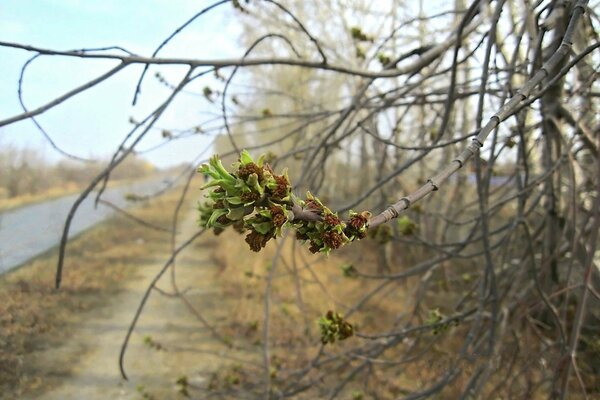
[482, 287]
[27, 177]
[32, 312]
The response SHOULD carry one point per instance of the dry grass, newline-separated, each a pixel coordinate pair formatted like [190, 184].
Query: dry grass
[7, 204]
[97, 262]
[305, 287]
[68, 188]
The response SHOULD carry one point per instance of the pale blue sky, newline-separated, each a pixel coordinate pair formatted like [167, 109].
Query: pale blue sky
[93, 123]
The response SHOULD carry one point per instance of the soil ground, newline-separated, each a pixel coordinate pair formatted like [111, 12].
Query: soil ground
[91, 355]
[169, 342]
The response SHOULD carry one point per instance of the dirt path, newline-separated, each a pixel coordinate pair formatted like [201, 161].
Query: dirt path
[168, 343]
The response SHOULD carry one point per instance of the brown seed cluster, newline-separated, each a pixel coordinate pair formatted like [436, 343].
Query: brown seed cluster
[334, 327]
[301, 236]
[282, 189]
[333, 239]
[358, 221]
[278, 216]
[355, 228]
[314, 247]
[223, 220]
[247, 197]
[245, 171]
[313, 205]
[331, 220]
[256, 241]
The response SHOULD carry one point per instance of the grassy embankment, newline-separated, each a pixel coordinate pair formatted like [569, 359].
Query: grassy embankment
[12, 203]
[27, 177]
[7, 204]
[97, 263]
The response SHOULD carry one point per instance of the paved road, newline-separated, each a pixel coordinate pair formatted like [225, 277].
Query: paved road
[31, 230]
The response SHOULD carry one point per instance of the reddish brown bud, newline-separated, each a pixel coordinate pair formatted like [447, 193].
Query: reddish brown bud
[333, 239]
[314, 247]
[249, 196]
[358, 221]
[249, 169]
[223, 220]
[256, 241]
[301, 236]
[282, 188]
[313, 205]
[278, 216]
[331, 219]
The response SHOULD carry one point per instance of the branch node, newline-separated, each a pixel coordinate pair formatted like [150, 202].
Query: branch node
[390, 213]
[435, 187]
[407, 201]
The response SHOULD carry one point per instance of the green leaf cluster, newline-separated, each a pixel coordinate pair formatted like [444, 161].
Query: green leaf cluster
[382, 234]
[254, 199]
[323, 235]
[357, 34]
[330, 232]
[348, 270]
[406, 226]
[435, 317]
[251, 198]
[384, 59]
[333, 327]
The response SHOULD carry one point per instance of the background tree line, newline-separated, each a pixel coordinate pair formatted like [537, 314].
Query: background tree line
[25, 171]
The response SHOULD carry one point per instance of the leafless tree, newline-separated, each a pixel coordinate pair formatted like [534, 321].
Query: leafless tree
[492, 105]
